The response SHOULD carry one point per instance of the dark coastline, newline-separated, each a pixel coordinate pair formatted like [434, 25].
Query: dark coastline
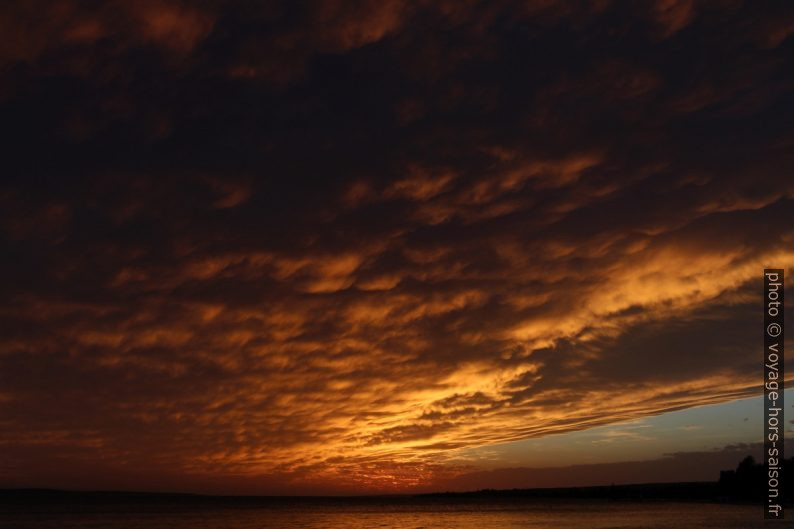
[687, 491]
[642, 506]
[741, 486]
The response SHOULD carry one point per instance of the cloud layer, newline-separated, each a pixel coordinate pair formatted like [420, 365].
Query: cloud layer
[329, 246]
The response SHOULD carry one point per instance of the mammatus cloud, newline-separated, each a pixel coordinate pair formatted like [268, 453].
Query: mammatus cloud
[324, 249]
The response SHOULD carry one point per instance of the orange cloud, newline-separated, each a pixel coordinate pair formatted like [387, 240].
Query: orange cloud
[352, 246]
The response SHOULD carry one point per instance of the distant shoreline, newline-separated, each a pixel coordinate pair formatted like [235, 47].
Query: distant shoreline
[680, 491]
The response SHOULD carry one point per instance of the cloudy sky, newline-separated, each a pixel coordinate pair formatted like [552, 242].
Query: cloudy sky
[379, 245]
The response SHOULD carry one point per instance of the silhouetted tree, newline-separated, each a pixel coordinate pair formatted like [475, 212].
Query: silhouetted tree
[748, 482]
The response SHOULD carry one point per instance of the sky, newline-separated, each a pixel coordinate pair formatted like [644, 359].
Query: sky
[352, 247]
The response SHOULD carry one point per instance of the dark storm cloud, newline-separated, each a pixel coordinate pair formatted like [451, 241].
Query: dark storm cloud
[339, 241]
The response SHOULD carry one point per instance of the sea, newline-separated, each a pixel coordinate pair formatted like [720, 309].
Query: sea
[374, 513]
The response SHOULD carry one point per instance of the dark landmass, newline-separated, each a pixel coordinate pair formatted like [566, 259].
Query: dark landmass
[664, 491]
[697, 491]
[746, 484]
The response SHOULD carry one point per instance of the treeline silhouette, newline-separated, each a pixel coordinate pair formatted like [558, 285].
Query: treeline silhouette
[749, 481]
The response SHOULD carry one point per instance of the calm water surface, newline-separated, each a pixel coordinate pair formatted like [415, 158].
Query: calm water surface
[384, 514]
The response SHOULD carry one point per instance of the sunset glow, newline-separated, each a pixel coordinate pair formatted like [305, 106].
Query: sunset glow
[321, 249]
